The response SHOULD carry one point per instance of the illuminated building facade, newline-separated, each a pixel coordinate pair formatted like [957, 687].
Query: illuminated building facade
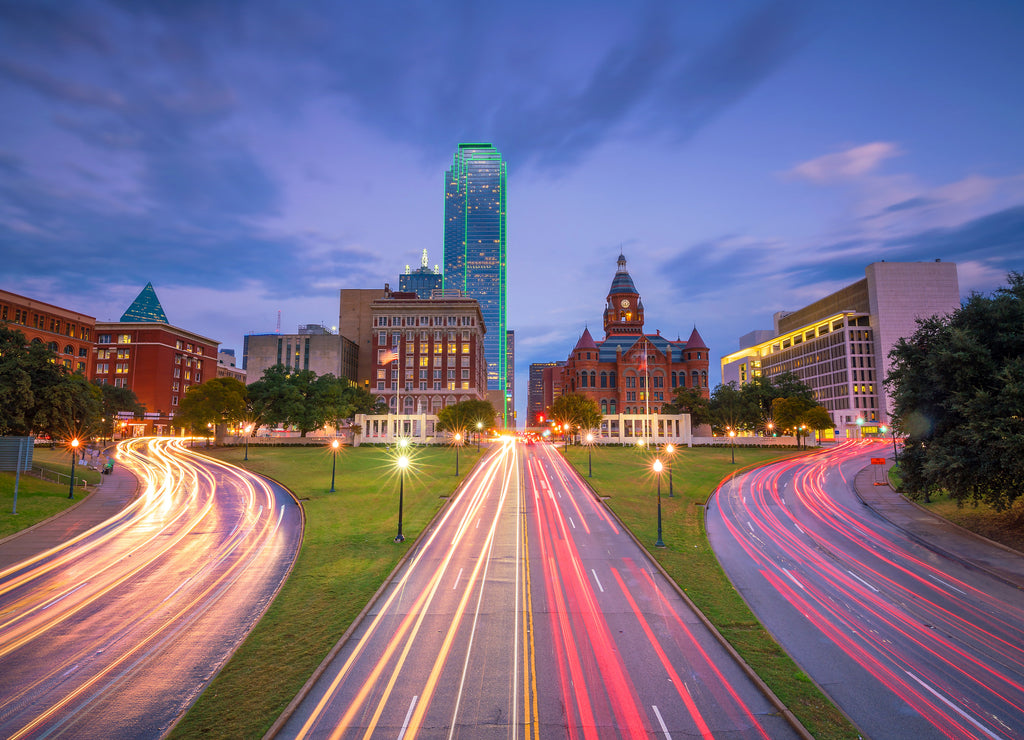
[156, 360]
[68, 334]
[427, 353]
[839, 345]
[475, 247]
[423, 281]
[631, 372]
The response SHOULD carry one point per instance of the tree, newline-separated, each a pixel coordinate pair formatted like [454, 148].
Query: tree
[731, 409]
[291, 399]
[958, 392]
[38, 395]
[690, 401]
[344, 399]
[113, 400]
[215, 402]
[800, 415]
[578, 411]
[763, 390]
[464, 415]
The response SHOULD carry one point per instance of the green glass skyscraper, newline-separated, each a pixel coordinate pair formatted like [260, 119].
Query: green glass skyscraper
[475, 245]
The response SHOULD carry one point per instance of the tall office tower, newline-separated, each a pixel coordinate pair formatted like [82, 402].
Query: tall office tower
[475, 248]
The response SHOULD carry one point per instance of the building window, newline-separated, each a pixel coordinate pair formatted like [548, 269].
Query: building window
[604, 380]
[693, 379]
[124, 338]
[437, 385]
[102, 367]
[119, 382]
[380, 385]
[177, 372]
[83, 351]
[121, 368]
[174, 400]
[382, 338]
[465, 374]
[174, 387]
[102, 339]
[69, 350]
[611, 381]
[437, 374]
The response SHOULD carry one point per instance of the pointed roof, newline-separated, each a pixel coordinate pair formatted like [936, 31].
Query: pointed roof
[622, 282]
[146, 308]
[586, 341]
[695, 341]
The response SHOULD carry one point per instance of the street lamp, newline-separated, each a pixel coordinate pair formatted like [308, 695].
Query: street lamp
[657, 471]
[895, 452]
[732, 444]
[458, 441]
[590, 465]
[799, 435]
[334, 460]
[479, 428]
[403, 463]
[669, 450]
[770, 426]
[860, 428]
[74, 456]
[248, 430]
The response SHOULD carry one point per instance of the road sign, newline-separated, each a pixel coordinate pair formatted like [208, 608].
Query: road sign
[878, 461]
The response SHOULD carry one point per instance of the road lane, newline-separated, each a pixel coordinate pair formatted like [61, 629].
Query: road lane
[115, 632]
[525, 611]
[908, 642]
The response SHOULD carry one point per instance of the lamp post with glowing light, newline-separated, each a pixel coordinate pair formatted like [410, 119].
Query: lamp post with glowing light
[334, 460]
[669, 450]
[771, 426]
[458, 441]
[248, 430]
[74, 456]
[895, 453]
[732, 444]
[479, 429]
[590, 465]
[403, 463]
[657, 471]
[860, 428]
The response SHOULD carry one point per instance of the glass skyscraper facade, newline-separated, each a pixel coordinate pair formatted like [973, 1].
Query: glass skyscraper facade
[475, 245]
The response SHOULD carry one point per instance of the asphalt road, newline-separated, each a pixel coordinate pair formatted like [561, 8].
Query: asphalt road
[908, 642]
[526, 611]
[114, 633]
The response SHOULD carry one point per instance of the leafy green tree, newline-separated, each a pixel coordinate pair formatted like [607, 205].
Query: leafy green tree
[38, 395]
[216, 402]
[344, 399]
[958, 392]
[464, 415]
[800, 415]
[578, 411]
[731, 409]
[690, 401]
[16, 397]
[113, 400]
[763, 390]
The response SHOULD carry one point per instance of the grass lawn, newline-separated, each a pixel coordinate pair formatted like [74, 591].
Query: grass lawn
[39, 499]
[347, 553]
[623, 477]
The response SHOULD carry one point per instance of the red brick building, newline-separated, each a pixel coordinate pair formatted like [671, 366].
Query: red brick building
[629, 371]
[428, 353]
[68, 333]
[158, 361]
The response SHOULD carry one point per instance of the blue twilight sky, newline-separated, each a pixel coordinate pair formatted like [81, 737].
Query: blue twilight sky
[250, 157]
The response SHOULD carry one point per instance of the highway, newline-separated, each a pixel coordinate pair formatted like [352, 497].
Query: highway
[526, 612]
[114, 633]
[908, 642]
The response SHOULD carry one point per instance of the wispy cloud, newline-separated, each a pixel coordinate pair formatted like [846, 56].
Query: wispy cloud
[846, 165]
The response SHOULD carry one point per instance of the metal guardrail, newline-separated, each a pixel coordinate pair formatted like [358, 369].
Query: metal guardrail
[56, 476]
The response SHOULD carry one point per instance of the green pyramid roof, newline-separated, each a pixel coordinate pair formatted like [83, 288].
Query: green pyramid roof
[146, 307]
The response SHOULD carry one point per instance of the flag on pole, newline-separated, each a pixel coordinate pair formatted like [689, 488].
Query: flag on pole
[388, 356]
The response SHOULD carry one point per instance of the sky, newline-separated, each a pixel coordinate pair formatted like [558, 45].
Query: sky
[250, 158]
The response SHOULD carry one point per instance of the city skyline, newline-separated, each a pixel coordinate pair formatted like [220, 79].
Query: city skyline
[746, 159]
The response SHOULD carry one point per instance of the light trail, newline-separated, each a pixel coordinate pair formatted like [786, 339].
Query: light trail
[165, 589]
[920, 627]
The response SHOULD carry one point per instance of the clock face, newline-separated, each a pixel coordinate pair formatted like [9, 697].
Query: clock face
[625, 303]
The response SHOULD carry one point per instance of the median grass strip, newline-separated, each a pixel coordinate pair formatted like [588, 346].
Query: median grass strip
[624, 478]
[347, 553]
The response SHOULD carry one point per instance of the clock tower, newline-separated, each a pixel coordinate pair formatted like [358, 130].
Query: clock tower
[624, 311]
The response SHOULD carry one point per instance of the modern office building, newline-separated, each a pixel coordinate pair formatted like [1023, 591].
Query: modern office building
[355, 323]
[156, 360]
[423, 281]
[510, 382]
[840, 344]
[68, 334]
[428, 353]
[226, 367]
[475, 259]
[539, 391]
[313, 347]
[631, 372]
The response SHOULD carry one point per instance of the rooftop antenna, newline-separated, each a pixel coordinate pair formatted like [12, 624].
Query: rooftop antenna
[279, 321]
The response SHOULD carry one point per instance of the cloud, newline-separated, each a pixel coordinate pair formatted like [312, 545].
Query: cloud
[850, 164]
[911, 204]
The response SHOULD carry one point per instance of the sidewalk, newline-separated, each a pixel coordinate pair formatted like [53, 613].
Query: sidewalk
[938, 534]
[113, 493]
